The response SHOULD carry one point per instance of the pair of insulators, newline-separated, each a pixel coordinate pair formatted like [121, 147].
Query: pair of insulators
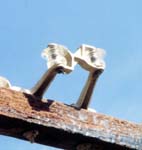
[61, 60]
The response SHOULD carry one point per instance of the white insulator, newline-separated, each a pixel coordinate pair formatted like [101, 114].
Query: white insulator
[4, 83]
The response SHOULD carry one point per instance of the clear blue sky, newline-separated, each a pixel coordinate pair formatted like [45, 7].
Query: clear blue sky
[27, 26]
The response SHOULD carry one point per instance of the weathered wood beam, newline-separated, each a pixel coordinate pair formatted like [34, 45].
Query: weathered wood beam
[55, 124]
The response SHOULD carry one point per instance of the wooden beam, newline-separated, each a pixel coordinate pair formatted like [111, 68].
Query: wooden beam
[56, 124]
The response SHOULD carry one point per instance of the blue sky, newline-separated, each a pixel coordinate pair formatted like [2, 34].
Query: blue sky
[27, 26]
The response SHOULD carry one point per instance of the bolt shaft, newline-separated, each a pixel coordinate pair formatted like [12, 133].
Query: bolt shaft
[86, 94]
[42, 85]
